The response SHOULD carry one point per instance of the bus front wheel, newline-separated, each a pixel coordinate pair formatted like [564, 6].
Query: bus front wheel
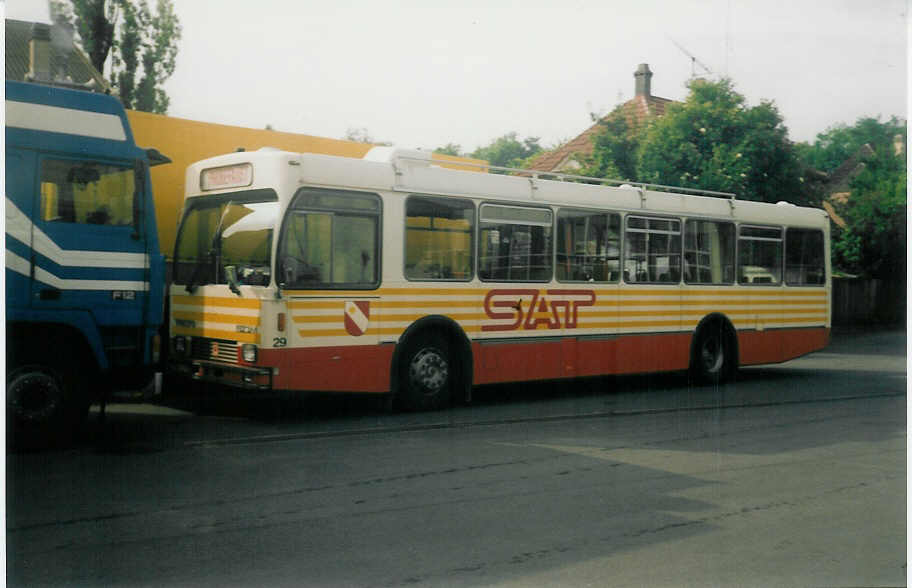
[426, 373]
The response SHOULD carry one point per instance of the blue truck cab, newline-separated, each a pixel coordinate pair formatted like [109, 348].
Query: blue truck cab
[84, 273]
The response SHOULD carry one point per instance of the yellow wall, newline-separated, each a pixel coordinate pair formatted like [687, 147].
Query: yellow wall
[187, 141]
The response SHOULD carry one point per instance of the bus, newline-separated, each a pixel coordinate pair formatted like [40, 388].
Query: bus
[84, 275]
[394, 274]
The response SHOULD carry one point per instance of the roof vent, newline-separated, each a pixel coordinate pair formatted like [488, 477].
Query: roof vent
[385, 154]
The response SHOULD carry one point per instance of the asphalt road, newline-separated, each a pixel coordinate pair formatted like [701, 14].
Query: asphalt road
[795, 475]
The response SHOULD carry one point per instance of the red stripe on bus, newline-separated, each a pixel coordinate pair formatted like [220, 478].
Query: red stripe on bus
[367, 368]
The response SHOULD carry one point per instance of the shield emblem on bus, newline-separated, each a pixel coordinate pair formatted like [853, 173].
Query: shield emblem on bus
[357, 317]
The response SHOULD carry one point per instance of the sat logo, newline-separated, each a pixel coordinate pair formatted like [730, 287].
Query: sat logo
[528, 309]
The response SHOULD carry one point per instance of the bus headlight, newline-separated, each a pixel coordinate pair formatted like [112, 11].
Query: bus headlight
[249, 352]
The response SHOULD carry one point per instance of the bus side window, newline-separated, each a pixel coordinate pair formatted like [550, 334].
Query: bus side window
[653, 247]
[804, 257]
[588, 246]
[331, 239]
[515, 243]
[709, 252]
[759, 255]
[439, 233]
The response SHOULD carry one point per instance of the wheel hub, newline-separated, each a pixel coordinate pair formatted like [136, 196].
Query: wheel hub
[712, 355]
[429, 370]
[33, 396]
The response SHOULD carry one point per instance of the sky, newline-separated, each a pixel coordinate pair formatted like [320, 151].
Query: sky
[425, 73]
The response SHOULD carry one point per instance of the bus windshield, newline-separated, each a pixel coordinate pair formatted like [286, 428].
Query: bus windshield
[220, 242]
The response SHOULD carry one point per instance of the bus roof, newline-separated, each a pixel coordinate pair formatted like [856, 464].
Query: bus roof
[410, 171]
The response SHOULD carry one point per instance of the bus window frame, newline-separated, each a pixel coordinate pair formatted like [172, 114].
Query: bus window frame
[551, 254]
[734, 249]
[624, 252]
[473, 236]
[291, 209]
[780, 240]
[785, 264]
[620, 245]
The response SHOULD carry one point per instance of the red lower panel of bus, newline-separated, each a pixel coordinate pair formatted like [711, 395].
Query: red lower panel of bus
[344, 369]
[779, 345]
[367, 368]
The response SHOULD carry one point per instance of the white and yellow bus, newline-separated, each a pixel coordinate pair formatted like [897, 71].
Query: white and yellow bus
[395, 274]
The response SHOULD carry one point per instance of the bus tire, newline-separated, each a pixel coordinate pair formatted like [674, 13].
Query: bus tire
[713, 354]
[45, 406]
[426, 373]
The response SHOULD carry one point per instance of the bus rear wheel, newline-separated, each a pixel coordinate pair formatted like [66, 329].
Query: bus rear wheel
[713, 355]
[425, 373]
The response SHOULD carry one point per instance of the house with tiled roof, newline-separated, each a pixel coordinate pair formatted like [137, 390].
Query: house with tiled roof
[637, 110]
[46, 53]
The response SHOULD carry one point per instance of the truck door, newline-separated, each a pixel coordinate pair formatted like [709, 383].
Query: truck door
[20, 180]
[89, 251]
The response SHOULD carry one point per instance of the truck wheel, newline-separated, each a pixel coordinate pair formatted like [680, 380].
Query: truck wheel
[43, 406]
[426, 373]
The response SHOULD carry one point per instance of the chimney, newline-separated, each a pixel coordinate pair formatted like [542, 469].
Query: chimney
[40, 53]
[643, 79]
[61, 48]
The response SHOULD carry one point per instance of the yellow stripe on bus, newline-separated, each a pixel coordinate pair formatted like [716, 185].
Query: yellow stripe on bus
[218, 334]
[214, 317]
[330, 296]
[215, 301]
[582, 316]
[685, 325]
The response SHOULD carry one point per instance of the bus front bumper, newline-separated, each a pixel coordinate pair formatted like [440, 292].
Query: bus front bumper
[245, 377]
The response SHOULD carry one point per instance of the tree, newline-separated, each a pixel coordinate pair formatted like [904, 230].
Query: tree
[714, 141]
[616, 148]
[873, 242]
[450, 149]
[508, 151]
[139, 44]
[840, 142]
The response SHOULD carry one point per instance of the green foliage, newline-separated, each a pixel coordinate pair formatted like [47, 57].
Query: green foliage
[714, 141]
[450, 149]
[508, 151]
[873, 243]
[142, 45]
[840, 142]
[616, 149]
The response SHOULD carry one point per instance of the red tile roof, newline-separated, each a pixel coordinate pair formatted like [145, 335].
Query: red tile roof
[636, 111]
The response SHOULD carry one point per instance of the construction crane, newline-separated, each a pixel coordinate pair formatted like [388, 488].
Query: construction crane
[694, 62]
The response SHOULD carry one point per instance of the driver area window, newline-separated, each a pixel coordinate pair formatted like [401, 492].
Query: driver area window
[331, 239]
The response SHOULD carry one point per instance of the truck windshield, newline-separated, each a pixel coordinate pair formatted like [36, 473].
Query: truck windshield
[225, 234]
